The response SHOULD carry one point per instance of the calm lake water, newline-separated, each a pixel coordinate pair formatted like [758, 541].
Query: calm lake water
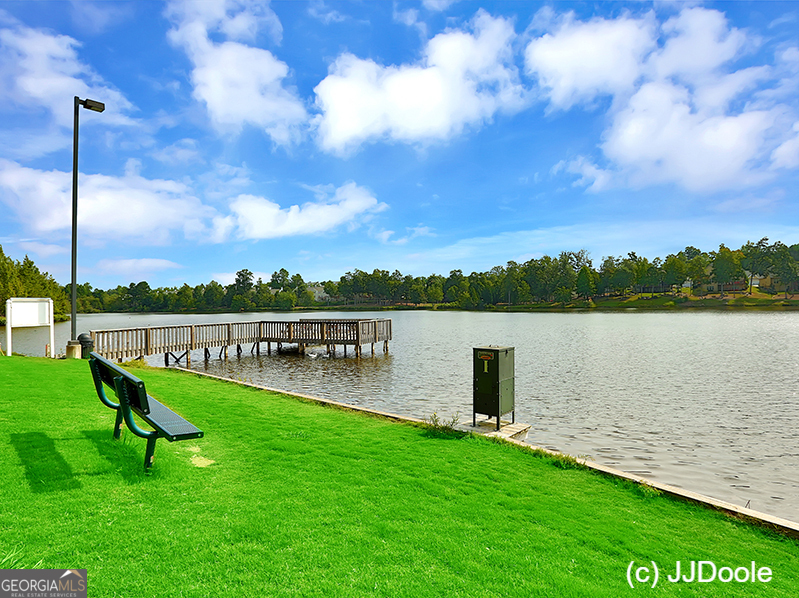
[706, 401]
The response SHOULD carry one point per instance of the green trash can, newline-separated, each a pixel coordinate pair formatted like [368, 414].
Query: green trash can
[494, 383]
[86, 344]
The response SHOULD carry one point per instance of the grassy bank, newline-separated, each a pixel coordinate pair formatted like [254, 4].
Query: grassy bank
[288, 498]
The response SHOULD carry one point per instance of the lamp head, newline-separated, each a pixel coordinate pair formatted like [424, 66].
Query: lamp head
[92, 105]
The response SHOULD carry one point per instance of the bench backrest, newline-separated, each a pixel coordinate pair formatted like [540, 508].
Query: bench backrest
[134, 392]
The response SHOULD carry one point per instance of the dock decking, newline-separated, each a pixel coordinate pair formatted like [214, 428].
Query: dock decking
[140, 342]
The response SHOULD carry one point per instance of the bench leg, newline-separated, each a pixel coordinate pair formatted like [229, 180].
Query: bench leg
[148, 454]
[118, 424]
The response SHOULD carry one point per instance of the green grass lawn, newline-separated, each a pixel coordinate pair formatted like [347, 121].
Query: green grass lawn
[307, 500]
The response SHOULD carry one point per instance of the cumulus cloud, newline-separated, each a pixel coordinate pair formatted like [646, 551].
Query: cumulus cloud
[579, 61]
[254, 217]
[238, 83]
[463, 79]
[40, 72]
[109, 208]
[679, 111]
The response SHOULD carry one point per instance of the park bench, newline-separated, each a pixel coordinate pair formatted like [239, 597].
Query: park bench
[133, 398]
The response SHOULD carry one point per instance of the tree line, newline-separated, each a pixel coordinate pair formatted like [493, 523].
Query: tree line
[561, 279]
[24, 279]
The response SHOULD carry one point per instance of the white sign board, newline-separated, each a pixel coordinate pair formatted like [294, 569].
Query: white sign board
[25, 312]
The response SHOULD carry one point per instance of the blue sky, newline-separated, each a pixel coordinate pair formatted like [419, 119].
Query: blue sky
[420, 136]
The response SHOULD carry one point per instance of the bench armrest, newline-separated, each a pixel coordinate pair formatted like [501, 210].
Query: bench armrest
[127, 412]
[98, 384]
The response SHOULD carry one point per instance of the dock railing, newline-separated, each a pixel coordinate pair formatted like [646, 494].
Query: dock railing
[140, 342]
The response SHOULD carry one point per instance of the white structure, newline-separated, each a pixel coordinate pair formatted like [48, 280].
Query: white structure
[26, 313]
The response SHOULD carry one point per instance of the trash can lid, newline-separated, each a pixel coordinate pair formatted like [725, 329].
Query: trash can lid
[84, 336]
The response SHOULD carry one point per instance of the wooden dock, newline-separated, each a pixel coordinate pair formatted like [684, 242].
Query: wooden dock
[171, 340]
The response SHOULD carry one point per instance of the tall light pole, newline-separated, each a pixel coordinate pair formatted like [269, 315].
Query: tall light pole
[96, 107]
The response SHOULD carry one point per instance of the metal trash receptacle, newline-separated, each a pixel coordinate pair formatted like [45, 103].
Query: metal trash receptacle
[86, 344]
[494, 390]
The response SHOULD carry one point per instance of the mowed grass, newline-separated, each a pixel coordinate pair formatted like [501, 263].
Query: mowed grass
[306, 500]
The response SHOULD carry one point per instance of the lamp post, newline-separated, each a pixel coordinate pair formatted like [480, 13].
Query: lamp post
[73, 346]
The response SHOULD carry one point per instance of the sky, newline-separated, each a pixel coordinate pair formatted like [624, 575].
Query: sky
[424, 137]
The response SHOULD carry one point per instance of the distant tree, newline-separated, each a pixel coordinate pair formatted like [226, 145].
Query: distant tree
[416, 291]
[606, 272]
[243, 283]
[698, 270]
[213, 295]
[727, 268]
[674, 271]
[184, 299]
[434, 288]
[285, 300]
[757, 258]
[262, 295]
[586, 286]
[784, 266]
[691, 252]
[280, 279]
[623, 277]
[452, 288]
[331, 289]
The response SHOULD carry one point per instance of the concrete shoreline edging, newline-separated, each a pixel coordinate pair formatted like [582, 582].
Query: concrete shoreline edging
[778, 524]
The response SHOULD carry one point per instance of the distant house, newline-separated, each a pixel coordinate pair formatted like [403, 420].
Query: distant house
[738, 286]
[318, 292]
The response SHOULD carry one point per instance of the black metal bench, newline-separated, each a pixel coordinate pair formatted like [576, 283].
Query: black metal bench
[133, 398]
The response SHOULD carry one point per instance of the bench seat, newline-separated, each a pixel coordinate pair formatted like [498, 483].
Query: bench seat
[168, 423]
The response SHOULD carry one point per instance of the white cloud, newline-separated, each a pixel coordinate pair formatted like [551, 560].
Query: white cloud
[591, 176]
[254, 217]
[136, 268]
[44, 250]
[680, 112]
[658, 138]
[318, 10]
[109, 208]
[238, 83]
[183, 151]
[412, 232]
[698, 42]
[438, 5]
[579, 61]
[97, 17]
[787, 154]
[40, 73]
[463, 79]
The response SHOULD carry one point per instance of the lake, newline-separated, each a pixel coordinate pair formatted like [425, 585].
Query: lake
[706, 401]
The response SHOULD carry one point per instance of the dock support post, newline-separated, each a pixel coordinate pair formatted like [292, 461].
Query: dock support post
[207, 354]
[238, 350]
[373, 348]
[269, 348]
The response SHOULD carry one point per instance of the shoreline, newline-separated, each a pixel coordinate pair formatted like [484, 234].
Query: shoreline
[780, 524]
[663, 303]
